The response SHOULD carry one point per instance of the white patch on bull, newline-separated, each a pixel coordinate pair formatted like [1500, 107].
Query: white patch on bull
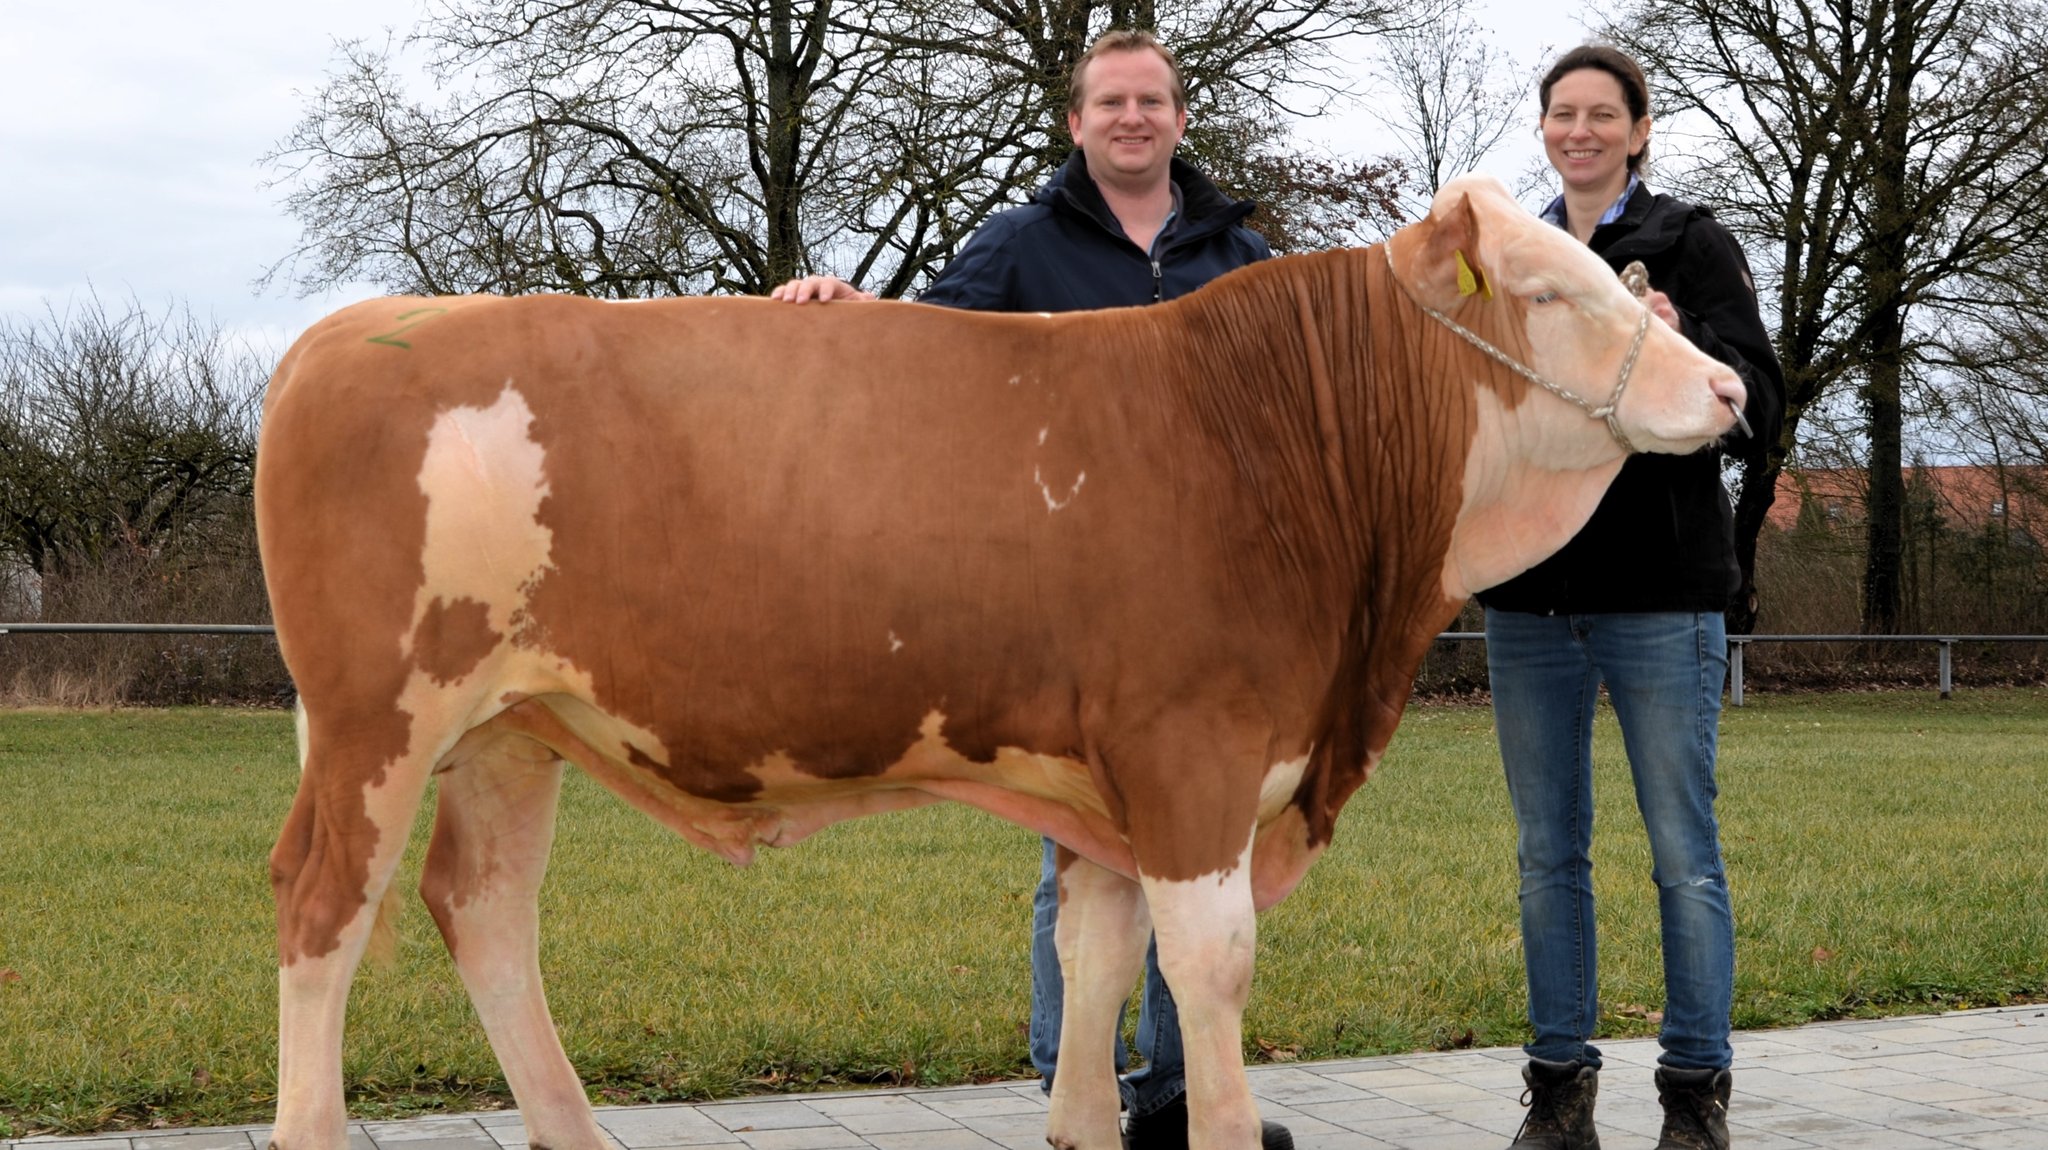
[484, 479]
[1015, 380]
[1043, 314]
[1282, 780]
[895, 644]
[1053, 503]
[1042, 433]
[1533, 475]
[1207, 935]
[301, 730]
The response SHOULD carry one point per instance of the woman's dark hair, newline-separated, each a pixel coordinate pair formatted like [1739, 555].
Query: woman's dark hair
[1616, 63]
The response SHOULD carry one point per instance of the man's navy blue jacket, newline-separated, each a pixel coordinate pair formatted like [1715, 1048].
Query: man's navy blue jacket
[1065, 251]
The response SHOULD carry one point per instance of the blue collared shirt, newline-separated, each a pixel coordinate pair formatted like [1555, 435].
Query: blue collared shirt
[1555, 212]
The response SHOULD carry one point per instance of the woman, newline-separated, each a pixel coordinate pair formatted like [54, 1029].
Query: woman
[1634, 602]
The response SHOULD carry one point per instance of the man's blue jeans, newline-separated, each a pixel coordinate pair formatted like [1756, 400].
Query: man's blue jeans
[1164, 1075]
[1663, 672]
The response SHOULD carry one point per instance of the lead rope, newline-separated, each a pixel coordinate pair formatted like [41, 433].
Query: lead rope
[1604, 412]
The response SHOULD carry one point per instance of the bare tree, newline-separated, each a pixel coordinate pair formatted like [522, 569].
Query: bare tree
[656, 147]
[1881, 158]
[120, 433]
[1454, 97]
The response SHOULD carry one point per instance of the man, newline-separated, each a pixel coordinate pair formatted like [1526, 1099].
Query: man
[1123, 223]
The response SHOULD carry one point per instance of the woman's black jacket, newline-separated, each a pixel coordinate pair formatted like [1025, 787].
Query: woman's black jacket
[1663, 539]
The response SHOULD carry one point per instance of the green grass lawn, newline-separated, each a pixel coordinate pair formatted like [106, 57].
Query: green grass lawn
[1887, 854]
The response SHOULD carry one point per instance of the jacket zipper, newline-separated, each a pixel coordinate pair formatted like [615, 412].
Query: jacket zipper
[1158, 281]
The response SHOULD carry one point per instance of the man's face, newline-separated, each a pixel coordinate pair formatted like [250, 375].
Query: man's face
[1128, 125]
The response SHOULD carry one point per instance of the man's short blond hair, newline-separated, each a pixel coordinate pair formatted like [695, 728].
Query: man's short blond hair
[1126, 40]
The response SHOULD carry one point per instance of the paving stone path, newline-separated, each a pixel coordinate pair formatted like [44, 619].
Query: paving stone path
[1976, 1079]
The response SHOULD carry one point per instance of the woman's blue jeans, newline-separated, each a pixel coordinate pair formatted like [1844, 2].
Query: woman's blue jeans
[1163, 1077]
[1664, 672]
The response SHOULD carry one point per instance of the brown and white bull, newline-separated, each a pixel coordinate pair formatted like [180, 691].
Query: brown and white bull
[1153, 582]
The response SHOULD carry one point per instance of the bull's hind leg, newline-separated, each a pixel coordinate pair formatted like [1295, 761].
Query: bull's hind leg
[1101, 940]
[492, 830]
[1206, 930]
[333, 862]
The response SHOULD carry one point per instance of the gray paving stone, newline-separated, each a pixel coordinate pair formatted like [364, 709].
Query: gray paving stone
[1453, 1137]
[1829, 1129]
[1361, 1114]
[985, 1105]
[441, 1128]
[476, 1140]
[2003, 1106]
[1933, 1091]
[801, 1138]
[953, 1139]
[1750, 1139]
[1342, 1140]
[1294, 1087]
[742, 1117]
[2035, 1138]
[1436, 1096]
[235, 1139]
[1005, 1128]
[896, 1114]
[1383, 1076]
[645, 1127]
[1967, 1081]
[1899, 1140]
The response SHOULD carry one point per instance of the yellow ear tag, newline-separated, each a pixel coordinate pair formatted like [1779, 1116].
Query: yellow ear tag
[1471, 280]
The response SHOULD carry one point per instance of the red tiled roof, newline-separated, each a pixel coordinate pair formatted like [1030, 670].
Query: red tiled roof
[1966, 496]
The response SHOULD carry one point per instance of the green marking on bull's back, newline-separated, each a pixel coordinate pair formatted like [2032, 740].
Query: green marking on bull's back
[423, 314]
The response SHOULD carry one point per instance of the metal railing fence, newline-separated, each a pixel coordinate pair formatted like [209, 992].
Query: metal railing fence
[1737, 644]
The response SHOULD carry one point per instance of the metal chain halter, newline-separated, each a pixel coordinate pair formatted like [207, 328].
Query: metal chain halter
[1604, 412]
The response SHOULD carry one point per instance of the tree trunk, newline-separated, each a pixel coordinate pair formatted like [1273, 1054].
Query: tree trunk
[782, 138]
[1759, 491]
[1891, 231]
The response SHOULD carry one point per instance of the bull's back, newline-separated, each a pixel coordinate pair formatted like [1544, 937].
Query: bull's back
[745, 527]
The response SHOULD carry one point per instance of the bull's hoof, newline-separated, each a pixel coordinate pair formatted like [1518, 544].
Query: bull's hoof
[1167, 1129]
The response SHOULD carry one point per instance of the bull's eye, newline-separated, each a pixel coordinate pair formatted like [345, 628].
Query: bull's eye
[1545, 297]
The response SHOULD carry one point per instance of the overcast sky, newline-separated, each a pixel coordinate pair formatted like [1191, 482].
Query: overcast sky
[132, 130]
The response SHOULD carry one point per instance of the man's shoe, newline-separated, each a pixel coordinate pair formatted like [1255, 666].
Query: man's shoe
[1560, 1101]
[1167, 1129]
[1695, 1108]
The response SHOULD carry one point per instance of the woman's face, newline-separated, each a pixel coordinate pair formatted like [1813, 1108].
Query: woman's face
[1587, 132]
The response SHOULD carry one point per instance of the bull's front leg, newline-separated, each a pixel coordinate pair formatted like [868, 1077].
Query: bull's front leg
[1206, 931]
[1101, 937]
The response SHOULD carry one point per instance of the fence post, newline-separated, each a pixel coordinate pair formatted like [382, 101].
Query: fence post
[1945, 645]
[1735, 671]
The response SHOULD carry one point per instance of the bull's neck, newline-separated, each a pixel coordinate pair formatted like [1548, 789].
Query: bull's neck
[1312, 362]
[1317, 355]
[1285, 349]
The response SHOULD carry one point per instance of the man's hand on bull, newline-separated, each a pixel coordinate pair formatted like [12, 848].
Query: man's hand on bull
[824, 289]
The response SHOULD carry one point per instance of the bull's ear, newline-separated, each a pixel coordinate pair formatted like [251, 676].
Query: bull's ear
[1441, 269]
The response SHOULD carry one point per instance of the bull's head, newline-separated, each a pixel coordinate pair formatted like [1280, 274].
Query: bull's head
[1548, 308]
[1569, 373]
